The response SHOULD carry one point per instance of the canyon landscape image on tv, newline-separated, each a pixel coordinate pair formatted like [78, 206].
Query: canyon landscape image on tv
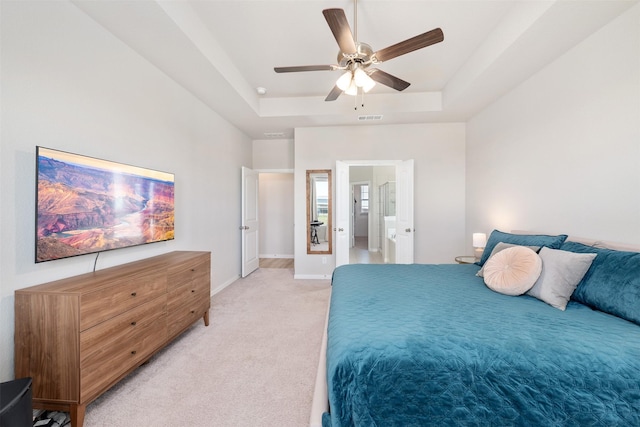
[88, 205]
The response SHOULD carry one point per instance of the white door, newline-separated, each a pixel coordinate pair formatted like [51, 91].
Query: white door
[249, 227]
[343, 213]
[404, 212]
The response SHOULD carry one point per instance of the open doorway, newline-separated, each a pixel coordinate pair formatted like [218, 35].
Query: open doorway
[369, 243]
[276, 212]
[364, 242]
[402, 231]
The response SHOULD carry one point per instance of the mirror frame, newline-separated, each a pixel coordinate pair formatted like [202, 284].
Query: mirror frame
[329, 212]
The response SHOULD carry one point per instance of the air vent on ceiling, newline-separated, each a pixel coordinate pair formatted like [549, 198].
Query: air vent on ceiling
[274, 134]
[370, 117]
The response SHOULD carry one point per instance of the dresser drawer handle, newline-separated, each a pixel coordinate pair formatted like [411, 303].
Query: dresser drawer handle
[193, 269]
[193, 291]
[193, 311]
[133, 294]
[133, 323]
[133, 352]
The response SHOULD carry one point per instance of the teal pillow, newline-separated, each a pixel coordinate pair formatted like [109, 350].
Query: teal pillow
[552, 242]
[612, 283]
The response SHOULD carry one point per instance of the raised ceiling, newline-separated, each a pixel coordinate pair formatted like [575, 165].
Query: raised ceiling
[221, 51]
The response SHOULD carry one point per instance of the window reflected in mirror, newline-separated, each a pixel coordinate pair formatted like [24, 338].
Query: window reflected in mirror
[319, 212]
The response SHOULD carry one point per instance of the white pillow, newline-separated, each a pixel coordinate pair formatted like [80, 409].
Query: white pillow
[500, 247]
[561, 273]
[512, 271]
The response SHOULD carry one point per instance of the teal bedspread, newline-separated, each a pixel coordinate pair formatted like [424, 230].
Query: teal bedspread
[431, 345]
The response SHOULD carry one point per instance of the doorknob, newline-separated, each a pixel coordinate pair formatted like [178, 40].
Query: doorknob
[340, 229]
[408, 230]
[244, 227]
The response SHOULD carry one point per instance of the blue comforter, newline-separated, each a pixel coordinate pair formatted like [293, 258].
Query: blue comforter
[431, 345]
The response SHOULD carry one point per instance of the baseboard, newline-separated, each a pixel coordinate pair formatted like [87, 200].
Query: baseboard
[312, 276]
[284, 256]
[224, 285]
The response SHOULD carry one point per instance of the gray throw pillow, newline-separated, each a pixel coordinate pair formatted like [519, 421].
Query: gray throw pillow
[561, 273]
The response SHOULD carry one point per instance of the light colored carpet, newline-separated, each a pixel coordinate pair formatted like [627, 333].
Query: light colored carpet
[255, 364]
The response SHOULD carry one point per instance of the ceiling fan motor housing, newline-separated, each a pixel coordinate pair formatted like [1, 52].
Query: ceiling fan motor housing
[363, 55]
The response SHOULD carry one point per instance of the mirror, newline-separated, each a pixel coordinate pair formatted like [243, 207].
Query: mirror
[319, 212]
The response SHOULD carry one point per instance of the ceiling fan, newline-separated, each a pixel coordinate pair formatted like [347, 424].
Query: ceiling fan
[356, 58]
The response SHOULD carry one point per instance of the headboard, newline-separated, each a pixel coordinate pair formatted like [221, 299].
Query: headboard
[605, 244]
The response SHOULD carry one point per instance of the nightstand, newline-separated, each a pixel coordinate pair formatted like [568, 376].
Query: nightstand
[466, 259]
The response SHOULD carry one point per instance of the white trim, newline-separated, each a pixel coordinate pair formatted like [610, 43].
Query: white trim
[284, 256]
[224, 285]
[312, 276]
[372, 162]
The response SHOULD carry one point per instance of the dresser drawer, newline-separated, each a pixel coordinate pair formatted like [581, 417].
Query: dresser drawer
[110, 301]
[122, 328]
[185, 290]
[195, 268]
[184, 308]
[109, 360]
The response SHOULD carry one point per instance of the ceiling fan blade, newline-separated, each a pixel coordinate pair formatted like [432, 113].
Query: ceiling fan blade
[409, 45]
[339, 25]
[303, 68]
[334, 94]
[388, 80]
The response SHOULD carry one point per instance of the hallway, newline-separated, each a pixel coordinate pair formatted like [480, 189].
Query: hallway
[360, 254]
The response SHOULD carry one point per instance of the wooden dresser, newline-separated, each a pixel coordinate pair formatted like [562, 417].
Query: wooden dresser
[79, 336]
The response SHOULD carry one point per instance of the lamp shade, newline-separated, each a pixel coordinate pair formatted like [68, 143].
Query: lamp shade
[352, 89]
[363, 80]
[369, 84]
[479, 240]
[344, 81]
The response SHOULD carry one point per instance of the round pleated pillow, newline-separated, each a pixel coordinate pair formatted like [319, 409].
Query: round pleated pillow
[512, 271]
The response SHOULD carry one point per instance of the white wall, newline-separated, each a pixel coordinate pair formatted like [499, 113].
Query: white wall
[69, 84]
[273, 154]
[561, 153]
[438, 150]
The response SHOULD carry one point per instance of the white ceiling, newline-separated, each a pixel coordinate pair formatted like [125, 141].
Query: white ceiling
[221, 51]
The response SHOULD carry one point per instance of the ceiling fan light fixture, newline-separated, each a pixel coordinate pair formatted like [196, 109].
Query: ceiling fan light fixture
[367, 87]
[360, 77]
[363, 80]
[352, 89]
[344, 81]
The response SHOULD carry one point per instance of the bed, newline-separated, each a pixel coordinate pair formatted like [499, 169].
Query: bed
[420, 345]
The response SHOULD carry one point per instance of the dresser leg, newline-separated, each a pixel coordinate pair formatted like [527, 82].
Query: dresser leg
[77, 415]
[206, 318]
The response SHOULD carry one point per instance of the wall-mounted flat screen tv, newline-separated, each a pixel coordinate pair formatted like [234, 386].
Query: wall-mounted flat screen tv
[86, 205]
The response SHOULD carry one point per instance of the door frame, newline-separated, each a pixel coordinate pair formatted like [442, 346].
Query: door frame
[342, 225]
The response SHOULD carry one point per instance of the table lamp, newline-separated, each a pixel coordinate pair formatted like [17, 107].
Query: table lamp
[479, 242]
